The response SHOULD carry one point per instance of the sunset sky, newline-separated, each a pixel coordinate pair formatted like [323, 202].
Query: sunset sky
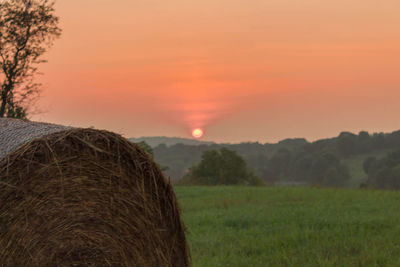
[241, 70]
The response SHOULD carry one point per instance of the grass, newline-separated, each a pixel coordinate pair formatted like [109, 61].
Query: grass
[265, 226]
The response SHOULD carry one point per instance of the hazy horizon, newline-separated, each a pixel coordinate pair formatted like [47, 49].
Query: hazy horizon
[262, 72]
[276, 141]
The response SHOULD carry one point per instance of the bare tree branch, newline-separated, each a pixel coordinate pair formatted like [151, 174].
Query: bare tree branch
[27, 29]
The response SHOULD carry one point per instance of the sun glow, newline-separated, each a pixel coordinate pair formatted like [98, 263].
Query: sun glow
[197, 133]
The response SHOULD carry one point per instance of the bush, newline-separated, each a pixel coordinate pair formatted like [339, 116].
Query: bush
[218, 167]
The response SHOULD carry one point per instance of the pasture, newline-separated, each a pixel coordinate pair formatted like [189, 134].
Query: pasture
[280, 226]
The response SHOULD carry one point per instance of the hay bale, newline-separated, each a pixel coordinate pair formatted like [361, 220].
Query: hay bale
[83, 197]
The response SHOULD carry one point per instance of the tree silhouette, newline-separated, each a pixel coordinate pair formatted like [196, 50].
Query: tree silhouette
[27, 29]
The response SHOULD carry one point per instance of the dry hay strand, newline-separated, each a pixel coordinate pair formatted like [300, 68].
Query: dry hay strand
[84, 197]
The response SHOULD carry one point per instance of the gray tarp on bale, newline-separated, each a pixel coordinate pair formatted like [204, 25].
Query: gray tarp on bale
[84, 197]
[14, 133]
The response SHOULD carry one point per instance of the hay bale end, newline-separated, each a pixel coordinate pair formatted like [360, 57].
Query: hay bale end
[83, 197]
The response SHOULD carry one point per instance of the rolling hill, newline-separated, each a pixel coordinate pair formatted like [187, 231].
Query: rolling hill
[154, 141]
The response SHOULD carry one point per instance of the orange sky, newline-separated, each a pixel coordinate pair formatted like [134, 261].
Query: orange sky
[242, 70]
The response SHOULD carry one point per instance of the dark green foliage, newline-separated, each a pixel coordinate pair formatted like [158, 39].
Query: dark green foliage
[146, 147]
[378, 141]
[321, 164]
[347, 143]
[301, 167]
[181, 157]
[154, 141]
[384, 173]
[149, 150]
[323, 168]
[368, 165]
[280, 162]
[393, 139]
[293, 142]
[291, 160]
[364, 142]
[218, 167]
[336, 176]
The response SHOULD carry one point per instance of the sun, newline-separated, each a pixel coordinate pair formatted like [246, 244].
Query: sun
[197, 133]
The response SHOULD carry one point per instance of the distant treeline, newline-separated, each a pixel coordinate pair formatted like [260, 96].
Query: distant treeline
[383, 173]
[295, 160]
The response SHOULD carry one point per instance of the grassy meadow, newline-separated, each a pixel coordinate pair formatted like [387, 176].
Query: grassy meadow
[281, 226]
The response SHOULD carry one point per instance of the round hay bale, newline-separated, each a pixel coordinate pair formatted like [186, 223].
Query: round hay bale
[83, 197]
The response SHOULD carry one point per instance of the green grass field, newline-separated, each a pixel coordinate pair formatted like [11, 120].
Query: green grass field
[266, 226]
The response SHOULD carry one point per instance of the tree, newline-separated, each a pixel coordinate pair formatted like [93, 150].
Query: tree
[149, 150]
[336, 176]
[27, 29]
[369, 165]
[279, 163]
[146, 147]
[385, 172]
[347, 143]
[300, 169]
[222, 166]
[378, 141]
[364, 144]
